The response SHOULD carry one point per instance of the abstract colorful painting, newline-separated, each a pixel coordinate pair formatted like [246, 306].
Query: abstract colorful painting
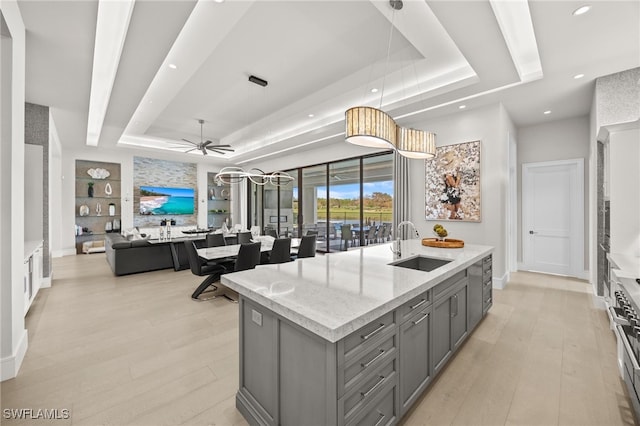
[452, 183]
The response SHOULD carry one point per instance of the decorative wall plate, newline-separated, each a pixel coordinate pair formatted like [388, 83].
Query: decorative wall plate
[84, 210]
[107, 189]
[98, 173]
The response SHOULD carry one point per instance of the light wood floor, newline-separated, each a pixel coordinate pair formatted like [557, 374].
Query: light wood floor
[136, 350]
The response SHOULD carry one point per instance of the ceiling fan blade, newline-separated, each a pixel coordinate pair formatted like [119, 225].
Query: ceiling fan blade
[217, 151]
[204, 151]
[207, 143]
[192, 143]
[221, 149]
[223, 146]
[189, 150]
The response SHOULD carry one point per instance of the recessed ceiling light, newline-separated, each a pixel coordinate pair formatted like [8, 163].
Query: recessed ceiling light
[577, 76]
[219, 1]
[462, 106]
[173, 66]
[581, 10]
[311, 115]
[374, 90]
[547, 112]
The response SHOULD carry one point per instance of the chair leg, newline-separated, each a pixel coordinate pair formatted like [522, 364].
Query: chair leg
[204, 285]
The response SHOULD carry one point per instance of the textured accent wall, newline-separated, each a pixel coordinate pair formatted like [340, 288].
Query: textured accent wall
[36, 132]
[153, 172]
[618, 97]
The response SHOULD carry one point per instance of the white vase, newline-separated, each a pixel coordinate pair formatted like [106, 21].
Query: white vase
[112, 209]
[107, 189]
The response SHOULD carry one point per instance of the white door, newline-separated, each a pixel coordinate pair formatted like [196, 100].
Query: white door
[553, 217]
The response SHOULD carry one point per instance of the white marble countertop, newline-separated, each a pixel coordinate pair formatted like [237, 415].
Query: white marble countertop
[628, 266]
[30, 247]
[335, 294]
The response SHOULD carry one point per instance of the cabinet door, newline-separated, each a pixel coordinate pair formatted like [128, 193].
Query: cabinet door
[459, 316]
[475, 274]
[441, 333]
[415, 368]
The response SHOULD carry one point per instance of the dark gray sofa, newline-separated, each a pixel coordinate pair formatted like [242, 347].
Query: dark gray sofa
[133, 256]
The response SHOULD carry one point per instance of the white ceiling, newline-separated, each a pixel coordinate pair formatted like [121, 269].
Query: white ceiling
[320, 58]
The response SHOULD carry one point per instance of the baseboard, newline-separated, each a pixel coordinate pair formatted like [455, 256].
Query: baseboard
[64, 252]
[46, 282]
[9, 366]
[501, 282]
[585, 275]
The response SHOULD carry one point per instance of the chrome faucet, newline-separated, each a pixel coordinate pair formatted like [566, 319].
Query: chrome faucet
[398, 250]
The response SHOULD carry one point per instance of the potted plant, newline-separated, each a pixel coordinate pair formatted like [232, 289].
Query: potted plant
[90, 189]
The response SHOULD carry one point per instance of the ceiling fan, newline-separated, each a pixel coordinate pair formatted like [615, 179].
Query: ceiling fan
[205, 146]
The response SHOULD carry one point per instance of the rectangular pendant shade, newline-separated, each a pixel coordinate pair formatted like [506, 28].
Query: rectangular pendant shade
[371, 127]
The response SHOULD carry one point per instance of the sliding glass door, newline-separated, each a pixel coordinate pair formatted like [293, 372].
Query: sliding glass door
[346, 203]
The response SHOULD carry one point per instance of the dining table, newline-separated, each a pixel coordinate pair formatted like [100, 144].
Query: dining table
[221, 252]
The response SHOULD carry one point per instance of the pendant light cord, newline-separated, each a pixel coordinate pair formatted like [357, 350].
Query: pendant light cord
[386, 66]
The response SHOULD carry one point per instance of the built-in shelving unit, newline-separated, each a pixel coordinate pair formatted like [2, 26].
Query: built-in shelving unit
[218, 203]
[97, 221]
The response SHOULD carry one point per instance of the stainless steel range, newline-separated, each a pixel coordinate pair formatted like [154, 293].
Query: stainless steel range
[625, 313]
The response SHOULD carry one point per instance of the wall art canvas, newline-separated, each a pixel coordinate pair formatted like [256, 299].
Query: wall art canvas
[452, 183]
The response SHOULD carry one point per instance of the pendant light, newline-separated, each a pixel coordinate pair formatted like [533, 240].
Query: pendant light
[374, 128]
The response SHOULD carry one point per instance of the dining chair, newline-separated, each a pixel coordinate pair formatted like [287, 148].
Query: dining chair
[244, 237]
[281, 251]
[202, 267]
[385, 232]
[271, 232]
[371, 236]
[345, 230]
[215, 240]
[248, 257]
[307, 247]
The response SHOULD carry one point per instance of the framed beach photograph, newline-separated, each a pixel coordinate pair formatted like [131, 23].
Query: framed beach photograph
[452, 183]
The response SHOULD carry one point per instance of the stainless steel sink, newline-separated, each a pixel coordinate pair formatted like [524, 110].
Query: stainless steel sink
[421, 263]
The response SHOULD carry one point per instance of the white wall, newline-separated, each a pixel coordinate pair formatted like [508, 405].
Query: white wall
[557, 140]
[13, 340]
[491, 125]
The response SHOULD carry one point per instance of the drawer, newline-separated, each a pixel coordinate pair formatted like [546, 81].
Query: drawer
[487, 302]
[365, 334]
[381, 411]
[369, 361]
[487, 276]
[448, 284]
[368, 389]
[414, 305]
[487, 288]
[487, 263]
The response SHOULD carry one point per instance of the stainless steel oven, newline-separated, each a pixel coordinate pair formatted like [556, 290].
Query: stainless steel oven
[626, 317]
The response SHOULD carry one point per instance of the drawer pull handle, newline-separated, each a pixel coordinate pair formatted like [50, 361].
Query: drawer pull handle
[365, 365]
[377, 330]
[488, 301]
[421, 319]
[422, 302]
[380, 419]
[374, 387]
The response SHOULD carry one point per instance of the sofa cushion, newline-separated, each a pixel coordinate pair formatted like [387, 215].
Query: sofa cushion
[121, 244]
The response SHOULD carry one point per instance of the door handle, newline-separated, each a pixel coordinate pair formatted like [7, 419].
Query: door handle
[532, 232]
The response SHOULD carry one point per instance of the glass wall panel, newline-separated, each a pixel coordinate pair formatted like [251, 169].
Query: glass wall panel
[313, 197]
[377, 185]
[256, 206]
[288, 224]
[270, 208]
[344, 204]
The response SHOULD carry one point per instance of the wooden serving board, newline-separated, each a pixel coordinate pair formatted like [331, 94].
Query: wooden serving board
[447, 243]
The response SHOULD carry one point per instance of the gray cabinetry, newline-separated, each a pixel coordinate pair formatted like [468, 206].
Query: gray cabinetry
[480, 290]
[291, 376]
[415, 357]
[449, 320]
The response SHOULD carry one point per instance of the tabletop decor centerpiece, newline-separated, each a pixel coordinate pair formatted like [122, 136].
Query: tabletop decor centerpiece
[441, 241]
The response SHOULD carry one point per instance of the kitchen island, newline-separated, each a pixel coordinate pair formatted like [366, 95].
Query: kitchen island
[349, 338]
